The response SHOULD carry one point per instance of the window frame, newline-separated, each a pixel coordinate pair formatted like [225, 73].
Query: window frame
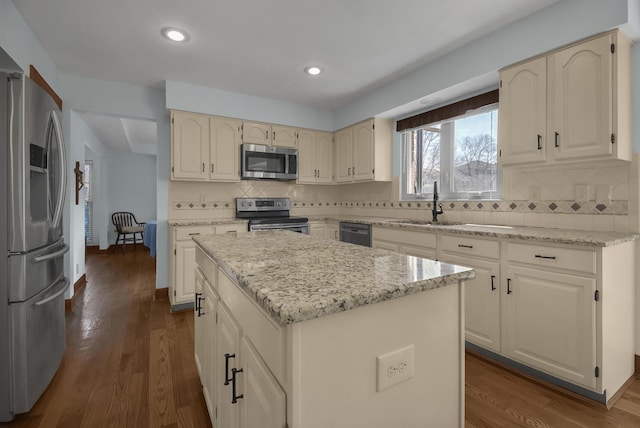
[446, 158]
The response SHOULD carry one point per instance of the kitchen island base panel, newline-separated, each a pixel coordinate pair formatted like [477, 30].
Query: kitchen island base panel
[333, 364]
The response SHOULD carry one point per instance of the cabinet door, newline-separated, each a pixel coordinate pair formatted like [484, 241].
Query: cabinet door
[189, 145]
[385, 245]
[331, 231]
[522, 113]
[208, 337]
[482, 302]
[198, 321]
[344, 152]
[284, 136]
[550, 323]
[324, 157]
[185, 279]
[317, 228]
[580, 116]
[307, 171]
[224, 149]
[256, 133]
[228, 342]
[264, 402]
[425, 253]
[363, 145]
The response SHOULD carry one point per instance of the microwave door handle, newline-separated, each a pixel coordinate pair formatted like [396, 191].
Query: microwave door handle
[57, 216]
[286, 164]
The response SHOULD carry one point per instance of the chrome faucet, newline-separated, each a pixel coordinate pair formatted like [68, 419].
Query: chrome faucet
[436, 211]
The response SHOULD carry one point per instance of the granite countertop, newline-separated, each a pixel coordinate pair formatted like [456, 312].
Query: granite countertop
[297, 277]
[542, 234]
[206, 222]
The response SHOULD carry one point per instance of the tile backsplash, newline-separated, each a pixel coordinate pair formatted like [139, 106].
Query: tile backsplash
[585, 197]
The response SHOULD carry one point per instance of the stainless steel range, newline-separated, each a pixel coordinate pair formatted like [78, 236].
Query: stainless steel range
[269, 214]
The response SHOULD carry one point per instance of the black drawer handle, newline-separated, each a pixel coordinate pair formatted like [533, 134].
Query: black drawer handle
[508, 285]
[464, 246]
[556, 140]
[200, 299]
[197, 302]
[194, 233]
[538, 256]
[234, 397]
[493, 287]
[227, 379]
[539, 142]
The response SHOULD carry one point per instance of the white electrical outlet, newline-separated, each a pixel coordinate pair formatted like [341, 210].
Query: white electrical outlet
[582, 193]
[394, 367]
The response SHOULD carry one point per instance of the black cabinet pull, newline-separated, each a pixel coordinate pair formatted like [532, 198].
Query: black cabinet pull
[493, 287]
[227, 379]
[197, 302]
[508, 285]
[538, 256]
[200, 299]
[464, 246]
[556, 140]
[234, 397]
[539, 142]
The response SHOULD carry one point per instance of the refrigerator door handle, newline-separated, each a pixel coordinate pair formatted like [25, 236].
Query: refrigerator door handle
[64, 250]
[56, 295]
[57, 216]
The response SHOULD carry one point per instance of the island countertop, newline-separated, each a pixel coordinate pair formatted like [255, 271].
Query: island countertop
[296, 277]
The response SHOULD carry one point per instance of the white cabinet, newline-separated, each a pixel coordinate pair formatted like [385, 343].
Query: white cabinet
[584, 113]
[269, 135]
[422, 244]
[189, 145]
[182, 262]
[224, 149]
[364, 151]
[204, 148]
[326, 230]
[239, 388]
[482, 294]
[315, 155]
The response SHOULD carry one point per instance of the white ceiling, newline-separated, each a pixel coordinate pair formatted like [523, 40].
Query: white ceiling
[260, 47]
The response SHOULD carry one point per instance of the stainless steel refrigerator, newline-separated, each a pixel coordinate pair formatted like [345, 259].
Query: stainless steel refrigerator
[32, 281]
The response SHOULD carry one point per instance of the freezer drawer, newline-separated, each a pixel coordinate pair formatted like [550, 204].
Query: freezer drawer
[37, 343]
[30, 273]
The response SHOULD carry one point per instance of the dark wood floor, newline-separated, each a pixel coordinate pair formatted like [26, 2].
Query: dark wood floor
[129, 363]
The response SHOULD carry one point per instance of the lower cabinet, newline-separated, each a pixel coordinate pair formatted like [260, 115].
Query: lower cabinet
[238, 387]
[324, 229]
[182, 260]
[482, 294]
[407, 242]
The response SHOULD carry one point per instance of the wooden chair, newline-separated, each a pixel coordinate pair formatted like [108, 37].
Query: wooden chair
[128, 228]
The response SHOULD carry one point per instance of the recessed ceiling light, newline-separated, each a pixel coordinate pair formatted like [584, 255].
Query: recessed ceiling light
[175, 34]
[313, 71]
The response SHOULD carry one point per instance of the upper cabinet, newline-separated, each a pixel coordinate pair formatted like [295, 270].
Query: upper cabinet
[189, 145]
[269, 135]
[364, 151]
[204, 148]
[573, 104]
[315, 150]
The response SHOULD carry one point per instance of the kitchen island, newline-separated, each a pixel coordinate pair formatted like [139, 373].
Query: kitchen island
[297, 331]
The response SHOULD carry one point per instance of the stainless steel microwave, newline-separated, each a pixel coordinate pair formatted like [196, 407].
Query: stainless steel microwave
[268, 162]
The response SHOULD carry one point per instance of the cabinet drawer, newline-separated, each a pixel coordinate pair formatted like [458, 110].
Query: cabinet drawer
[267, 336]
[234, 228]
[558, 257]
[206, 265]
[183, 233]
[470, 246]
[420, 239]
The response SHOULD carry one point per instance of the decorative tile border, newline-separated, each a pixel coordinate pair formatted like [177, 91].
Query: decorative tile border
[547, 207]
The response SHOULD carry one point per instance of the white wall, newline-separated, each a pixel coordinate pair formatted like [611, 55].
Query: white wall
[131, 186]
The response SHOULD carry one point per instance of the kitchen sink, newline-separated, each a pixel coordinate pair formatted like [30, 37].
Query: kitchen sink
[426, 222]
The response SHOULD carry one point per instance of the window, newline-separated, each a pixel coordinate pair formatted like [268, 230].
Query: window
[461, 154]
[88, 201]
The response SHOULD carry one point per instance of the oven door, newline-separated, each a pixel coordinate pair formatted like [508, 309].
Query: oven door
[293, 227]
[268, 162]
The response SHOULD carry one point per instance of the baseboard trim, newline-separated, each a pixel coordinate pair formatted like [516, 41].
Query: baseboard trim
[161, 294]
[637, 365]
[78, 286]
[94, 249]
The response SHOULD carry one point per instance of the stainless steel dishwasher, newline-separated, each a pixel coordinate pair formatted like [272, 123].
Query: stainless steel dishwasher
[355, 233]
